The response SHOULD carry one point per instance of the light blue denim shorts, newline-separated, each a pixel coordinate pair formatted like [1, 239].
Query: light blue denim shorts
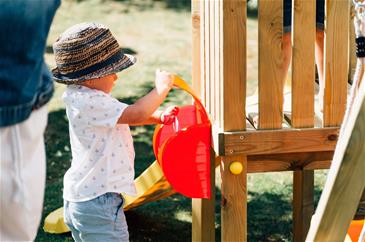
[100, 219]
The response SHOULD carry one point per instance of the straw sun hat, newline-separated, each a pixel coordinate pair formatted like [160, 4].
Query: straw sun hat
[87, 51]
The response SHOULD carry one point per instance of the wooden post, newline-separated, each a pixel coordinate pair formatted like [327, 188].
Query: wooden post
[234, 201]
[303, 207]
[345, 180]
[196, 50]
[233, 91]
[203, 222]
[303, 75]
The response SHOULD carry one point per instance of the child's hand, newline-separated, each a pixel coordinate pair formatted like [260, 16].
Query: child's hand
[169, 114]
[164, 81]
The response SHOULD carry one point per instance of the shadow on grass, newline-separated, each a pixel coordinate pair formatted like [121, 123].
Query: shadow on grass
[269, 217]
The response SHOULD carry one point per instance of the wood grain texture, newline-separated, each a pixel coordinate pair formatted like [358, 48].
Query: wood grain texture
[234, 201]
[271, 73]
[212, 61]
[289, 161]
[303, 64]
[207, 55]
[303, 76]
[336, 61]
[203, 78]
[345, 180]
[303, 203]
[234, 64]
[280, 141]
[195, 44]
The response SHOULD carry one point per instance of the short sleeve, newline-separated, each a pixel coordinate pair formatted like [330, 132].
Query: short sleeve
[103, 110]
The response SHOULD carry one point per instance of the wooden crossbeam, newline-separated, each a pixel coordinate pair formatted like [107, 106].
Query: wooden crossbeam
[346, 179]
[277, 141]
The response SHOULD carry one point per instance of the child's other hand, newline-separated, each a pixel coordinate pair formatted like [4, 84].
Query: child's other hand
[164, 81]
[169, 114]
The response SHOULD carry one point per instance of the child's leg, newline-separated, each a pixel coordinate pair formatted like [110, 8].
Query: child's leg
[68, 221]
[100, 219]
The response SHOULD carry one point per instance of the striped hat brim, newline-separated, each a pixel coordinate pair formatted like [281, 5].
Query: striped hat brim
[116, 63]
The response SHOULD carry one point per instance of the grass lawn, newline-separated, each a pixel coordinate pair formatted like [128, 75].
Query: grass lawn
[158, 34]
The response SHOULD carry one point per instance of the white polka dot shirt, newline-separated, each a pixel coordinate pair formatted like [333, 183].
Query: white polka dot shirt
[102, 150]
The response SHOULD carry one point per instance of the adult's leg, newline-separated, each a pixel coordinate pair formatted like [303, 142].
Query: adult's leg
[287, 51]
[319, 60]
[22, 177]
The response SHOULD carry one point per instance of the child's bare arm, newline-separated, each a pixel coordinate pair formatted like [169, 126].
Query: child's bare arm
[143, 110]
[162, 117]
[155, 118]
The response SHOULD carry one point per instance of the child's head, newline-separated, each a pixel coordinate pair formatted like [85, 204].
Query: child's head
[88, 54]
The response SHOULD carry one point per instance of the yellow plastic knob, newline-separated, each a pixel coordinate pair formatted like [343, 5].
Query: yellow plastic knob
[236, 168]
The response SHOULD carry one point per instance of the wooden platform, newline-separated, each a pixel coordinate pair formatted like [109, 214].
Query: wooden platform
[286, 149]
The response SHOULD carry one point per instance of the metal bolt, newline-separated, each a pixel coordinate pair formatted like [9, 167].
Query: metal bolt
[242, 137]
[231, 151]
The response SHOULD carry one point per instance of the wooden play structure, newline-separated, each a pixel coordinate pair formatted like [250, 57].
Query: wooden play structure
[299, 139]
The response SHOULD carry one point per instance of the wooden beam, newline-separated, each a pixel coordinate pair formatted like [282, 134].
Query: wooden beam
[279, 141]
[271, 75]
[203, 222]
[234, 64]
[336, 61]
[303, 207]
[289, 162]
[195, 45]
[234, 201]
[303, 64]
[303, 77]
[345, 180]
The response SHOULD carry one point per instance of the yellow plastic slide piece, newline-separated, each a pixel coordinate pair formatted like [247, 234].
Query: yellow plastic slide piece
[54, 222]
[151, 186]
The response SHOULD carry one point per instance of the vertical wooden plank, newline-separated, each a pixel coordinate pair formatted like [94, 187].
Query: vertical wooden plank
[207, 55]
[345, 180]
[271, 74]
[203, 211]
[202, 50]
[212, 59]
[220, 66]
[352, 46]
[303, 75]
[303, 184]
[336, 61]
[203, 219]
[195, 45]
[234, 203]
[234, 64]
[303, 64]
[233, 38]
[217, 5]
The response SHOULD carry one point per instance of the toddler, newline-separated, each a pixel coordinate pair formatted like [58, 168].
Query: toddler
[87, 57]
